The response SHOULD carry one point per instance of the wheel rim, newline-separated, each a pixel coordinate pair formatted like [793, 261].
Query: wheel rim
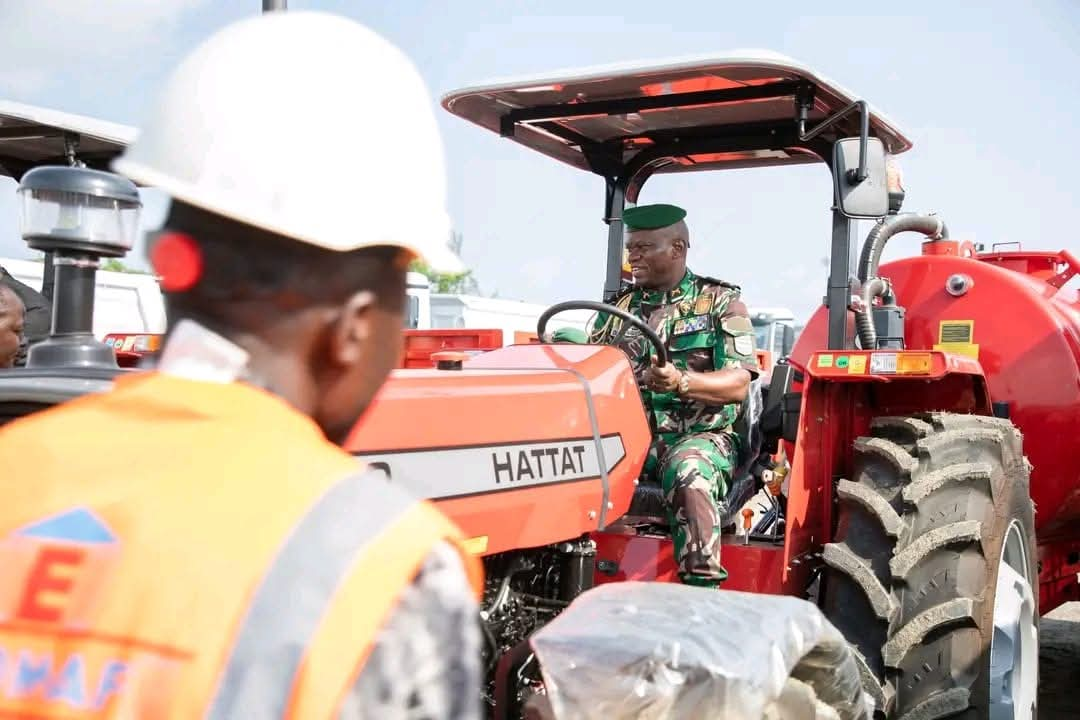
[1014, 646]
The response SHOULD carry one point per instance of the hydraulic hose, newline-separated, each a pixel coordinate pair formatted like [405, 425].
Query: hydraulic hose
[929, 225]
[864, 321]
[873, 286]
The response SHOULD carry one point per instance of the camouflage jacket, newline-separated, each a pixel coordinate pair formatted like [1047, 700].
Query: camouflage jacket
[704, 326]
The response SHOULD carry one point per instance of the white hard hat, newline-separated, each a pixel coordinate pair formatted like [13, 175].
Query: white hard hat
[306, 124]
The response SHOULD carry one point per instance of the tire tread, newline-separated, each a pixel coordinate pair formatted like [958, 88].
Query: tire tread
[928, 491]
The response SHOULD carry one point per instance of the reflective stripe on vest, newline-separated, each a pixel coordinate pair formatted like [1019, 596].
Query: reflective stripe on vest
[258, 675]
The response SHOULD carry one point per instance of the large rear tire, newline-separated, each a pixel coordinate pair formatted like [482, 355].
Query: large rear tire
[932, 570]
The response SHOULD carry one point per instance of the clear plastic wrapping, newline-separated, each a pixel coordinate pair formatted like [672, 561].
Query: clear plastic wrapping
[647, 651]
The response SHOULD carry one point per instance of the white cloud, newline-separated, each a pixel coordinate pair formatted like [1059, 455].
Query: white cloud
[43, 40]
[45, 26]
[23, 81]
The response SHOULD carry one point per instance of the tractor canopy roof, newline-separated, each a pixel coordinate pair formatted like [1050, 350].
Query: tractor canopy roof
[31, 136]
[697, 113]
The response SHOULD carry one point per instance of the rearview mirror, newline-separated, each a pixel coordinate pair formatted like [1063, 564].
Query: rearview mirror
[863, 199]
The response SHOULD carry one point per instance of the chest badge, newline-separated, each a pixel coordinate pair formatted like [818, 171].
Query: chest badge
[704, 304]
[689, 325]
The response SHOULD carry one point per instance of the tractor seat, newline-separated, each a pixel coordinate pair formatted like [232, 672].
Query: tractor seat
[648, 503]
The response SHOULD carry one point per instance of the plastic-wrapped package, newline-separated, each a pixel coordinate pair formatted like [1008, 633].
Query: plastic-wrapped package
[647, 651]
[753, 409]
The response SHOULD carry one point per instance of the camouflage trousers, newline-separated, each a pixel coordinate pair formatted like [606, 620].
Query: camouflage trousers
[694, 472]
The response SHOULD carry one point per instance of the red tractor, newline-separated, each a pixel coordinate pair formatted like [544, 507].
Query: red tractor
[931, 509]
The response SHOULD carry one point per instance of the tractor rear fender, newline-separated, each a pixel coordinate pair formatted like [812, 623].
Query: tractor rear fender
[837, 393]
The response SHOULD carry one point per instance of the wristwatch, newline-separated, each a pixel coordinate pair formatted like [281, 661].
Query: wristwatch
[684, 384]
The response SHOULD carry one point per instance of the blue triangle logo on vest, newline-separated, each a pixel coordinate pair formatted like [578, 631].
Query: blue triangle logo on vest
[78, 525]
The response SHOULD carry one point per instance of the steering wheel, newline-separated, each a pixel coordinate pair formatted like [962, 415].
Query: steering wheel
[627, 318]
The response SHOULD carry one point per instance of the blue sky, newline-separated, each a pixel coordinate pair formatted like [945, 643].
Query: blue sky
[986, 91]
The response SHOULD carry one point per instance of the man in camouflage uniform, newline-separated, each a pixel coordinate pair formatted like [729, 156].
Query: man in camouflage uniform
[694, 399]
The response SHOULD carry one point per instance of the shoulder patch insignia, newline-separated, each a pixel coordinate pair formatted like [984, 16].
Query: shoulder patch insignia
[737, 325]
[689, 325]
[714, 281]
[744, 345]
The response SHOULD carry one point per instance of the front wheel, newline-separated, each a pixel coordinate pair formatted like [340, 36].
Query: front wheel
[931, 575]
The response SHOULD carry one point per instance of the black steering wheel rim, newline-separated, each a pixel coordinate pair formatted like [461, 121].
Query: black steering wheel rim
[648, 332]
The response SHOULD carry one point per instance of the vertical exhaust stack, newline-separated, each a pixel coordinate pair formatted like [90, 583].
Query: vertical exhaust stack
[80, 216]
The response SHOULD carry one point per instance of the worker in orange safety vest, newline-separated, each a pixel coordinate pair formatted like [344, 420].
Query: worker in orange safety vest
[195, 542]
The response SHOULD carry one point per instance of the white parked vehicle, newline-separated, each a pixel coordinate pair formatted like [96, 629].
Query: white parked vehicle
[775, 330]
[123, 302]
[516, 319]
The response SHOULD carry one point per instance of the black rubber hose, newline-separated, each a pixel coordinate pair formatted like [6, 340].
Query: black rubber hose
[928, 225]
[864, 321]
[873, 286]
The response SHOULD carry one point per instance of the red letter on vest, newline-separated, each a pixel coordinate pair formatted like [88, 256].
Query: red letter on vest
[51, 575]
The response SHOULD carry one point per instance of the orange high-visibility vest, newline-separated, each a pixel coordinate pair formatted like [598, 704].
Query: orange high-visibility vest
[182, 549]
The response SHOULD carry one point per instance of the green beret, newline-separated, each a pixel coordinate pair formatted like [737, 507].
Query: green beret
[570, 335]
[650, 217]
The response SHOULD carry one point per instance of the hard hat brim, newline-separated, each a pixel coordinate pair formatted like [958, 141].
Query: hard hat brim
[437, 255]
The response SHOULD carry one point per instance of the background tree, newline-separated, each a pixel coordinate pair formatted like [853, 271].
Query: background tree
[110, 265]
[117, 265]
[462, 283]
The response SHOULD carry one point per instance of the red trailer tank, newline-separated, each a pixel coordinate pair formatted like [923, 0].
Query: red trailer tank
[1019, 315]
[1012, 312]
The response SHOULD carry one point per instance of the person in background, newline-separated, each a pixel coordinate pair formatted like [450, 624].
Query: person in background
[38, 312]
[12, 314]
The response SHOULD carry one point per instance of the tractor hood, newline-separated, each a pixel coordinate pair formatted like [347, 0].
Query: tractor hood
[600, 118]
[32, 136]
